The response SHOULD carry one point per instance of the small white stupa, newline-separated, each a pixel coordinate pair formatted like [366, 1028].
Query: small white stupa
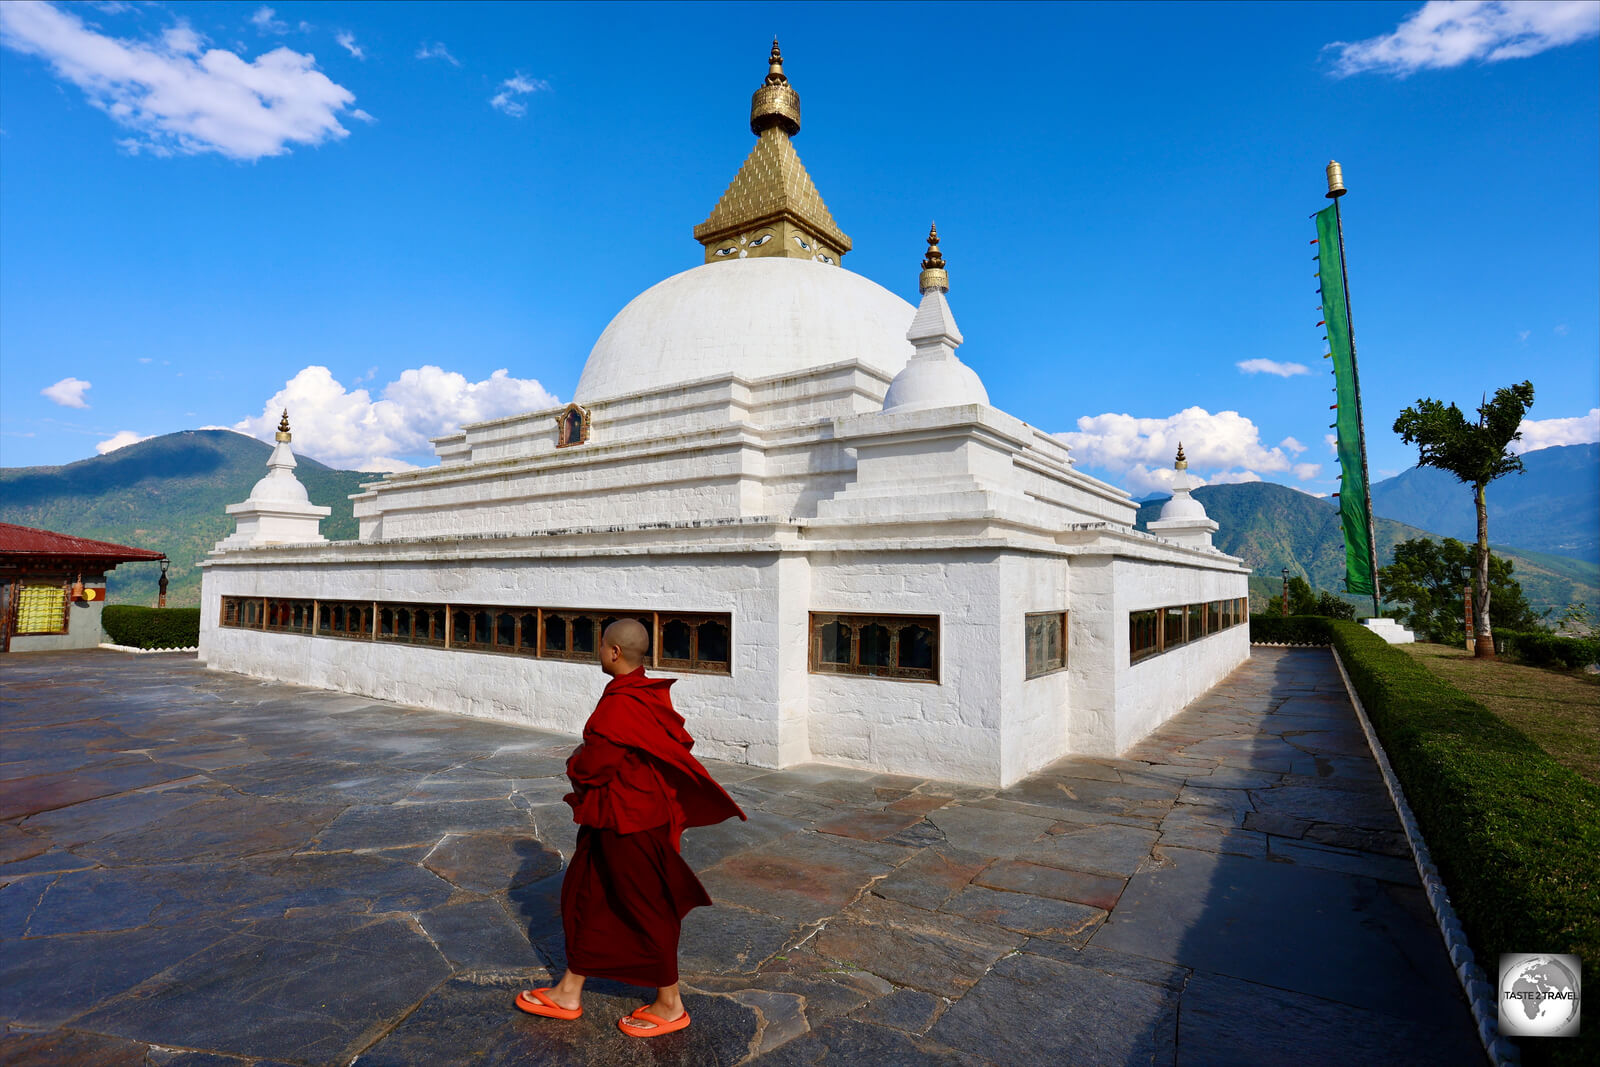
[935, 377]
[278, 511]
[1183, 518]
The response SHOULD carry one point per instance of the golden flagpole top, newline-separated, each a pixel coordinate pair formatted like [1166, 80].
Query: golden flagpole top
[283, 426]
[933, 274]
[775, 103]
[1181, 463]
[1336, 187]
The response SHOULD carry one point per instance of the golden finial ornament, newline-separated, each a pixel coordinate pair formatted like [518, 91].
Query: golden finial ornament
[1181, 464]
[933, 274]
[775, 103]
[1336, 187]
[283, 426]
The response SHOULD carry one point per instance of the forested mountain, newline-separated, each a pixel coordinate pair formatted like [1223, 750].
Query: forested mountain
[1552, 506]
[166, 494]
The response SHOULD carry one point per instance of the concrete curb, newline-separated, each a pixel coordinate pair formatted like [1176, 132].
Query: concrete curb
[1502, 1051]
[146, 651]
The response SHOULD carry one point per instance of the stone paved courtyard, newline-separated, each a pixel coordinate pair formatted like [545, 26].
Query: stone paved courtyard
[201, 869]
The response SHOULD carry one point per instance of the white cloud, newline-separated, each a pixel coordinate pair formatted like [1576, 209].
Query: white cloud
[1272, 366]
[1523, 335]
[1445, 34]
[178, 96]
[358, 113]
[513, 87]
[68, 392]
[1562, 330]
[1307, 471]
[1332, 441]
[437, 50]
[264, 20]
[1225, 447]
[1546, 433]
[122, 439]
[347, 428]
[1289, 444]
[347, 41]
[1234, 477]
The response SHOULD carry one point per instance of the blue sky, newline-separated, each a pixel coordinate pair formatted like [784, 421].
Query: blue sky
[396, 218]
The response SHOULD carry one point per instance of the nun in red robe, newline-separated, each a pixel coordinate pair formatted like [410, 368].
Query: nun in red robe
[636, 787]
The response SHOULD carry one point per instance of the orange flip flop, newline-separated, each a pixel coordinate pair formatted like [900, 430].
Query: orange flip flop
[662, 1026]
[535, 1002]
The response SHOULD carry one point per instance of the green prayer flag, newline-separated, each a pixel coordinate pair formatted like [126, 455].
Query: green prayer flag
[1352, 479]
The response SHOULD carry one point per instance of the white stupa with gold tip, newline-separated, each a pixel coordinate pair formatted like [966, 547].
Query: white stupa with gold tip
[1183, 518]
[278, 510]
[845, 549]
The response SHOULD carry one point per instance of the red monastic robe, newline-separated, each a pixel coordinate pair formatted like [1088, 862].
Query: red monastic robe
[635, 788]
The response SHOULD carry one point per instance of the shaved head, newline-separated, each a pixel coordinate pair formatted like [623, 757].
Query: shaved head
[630, 638]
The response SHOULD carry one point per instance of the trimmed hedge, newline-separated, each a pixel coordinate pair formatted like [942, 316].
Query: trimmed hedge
[1541, 648]
[1289, 629]
[139, 627]
[1515, 835]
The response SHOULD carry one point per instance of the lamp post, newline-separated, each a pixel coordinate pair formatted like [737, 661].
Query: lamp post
[1286, 592]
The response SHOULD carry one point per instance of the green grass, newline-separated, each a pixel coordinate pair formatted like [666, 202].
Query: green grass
[1558, 710]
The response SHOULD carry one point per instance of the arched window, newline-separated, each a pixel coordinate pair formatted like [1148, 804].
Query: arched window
[835, 643]
[916, 648]
[875, 647]
[713, 644]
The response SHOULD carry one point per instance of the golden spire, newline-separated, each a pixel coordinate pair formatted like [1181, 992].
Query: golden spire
[933, 273]
[283, 426]
[771, 208]
[775, 103]
[1181, 464]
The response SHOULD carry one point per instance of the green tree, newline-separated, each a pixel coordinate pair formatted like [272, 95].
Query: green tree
[1429, 577]
[1302, 601]
[1476, 454]
[1334, 606]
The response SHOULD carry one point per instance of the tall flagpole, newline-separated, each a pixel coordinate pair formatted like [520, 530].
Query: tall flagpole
[1336, 189]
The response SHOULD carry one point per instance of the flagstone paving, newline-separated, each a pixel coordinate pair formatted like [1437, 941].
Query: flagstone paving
[198, 868]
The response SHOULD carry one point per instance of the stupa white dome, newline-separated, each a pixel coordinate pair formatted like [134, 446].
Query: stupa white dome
[757, 318]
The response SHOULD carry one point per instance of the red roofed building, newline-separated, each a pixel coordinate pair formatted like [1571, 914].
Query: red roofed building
[53, 587]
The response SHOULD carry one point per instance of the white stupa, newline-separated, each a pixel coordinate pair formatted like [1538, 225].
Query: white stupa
[784, 470]
[1183, 518]
[278, 510]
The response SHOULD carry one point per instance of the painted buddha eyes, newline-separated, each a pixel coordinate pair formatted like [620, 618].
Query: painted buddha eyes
[824, 258]
[726, 251]
[759, 241]
[801, 241]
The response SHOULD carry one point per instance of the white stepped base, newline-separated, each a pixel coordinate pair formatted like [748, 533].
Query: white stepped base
[1390, 630]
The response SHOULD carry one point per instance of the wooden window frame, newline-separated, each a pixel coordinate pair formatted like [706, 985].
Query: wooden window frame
[857, 622]
[1031, 670]
[529, 627]
[1145, 617]
[695, 664]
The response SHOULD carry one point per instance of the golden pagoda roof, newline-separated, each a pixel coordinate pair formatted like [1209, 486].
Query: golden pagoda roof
[772, 184]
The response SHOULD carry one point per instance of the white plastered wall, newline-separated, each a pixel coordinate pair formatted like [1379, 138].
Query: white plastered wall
[733, 717]
[1037, 710]
[948, 730]
[1157, 687]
